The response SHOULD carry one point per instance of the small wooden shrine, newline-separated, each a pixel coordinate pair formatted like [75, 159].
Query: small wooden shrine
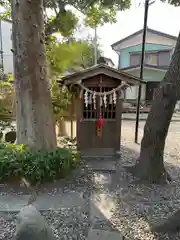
[100, 92]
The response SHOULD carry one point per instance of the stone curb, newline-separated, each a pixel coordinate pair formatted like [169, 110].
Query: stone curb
[144, 119]
[43, 202]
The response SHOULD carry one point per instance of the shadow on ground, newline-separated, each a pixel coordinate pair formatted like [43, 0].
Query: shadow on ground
[93, 219]
[140, 206]
[115, 204]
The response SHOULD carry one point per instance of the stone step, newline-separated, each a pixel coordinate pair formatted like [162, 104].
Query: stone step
[102, 166]
[102, 179]
[102, 206]
[104, 235]
[44, 202]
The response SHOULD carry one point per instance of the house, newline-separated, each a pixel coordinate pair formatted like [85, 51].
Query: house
[158, 51]
[6, 55]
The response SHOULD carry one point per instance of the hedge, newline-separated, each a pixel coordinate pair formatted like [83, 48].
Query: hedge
[18, 161]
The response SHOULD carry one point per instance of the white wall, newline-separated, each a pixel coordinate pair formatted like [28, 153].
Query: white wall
[150, 38]
[132, 92]
[177, 107]
[6, 31]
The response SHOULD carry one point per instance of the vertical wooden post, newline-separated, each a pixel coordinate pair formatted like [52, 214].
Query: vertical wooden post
[71, 115]
[118, 121]
[79, 115]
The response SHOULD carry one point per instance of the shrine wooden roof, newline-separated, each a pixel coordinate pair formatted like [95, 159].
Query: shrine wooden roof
[102, 69]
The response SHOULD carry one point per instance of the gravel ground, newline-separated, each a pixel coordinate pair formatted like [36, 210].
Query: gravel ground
[138, 205]
[71, 224]
[7, 228]
[67, 224]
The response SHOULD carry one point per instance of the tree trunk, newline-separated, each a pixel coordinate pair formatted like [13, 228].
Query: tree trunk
[150, 164]
[34, 114]
[170, 225]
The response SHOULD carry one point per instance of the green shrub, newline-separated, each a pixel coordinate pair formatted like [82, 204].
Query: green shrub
[17, 161]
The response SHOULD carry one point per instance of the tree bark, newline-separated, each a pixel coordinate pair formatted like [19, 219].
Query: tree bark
[150, 164]
[170, 225]
[34, 114]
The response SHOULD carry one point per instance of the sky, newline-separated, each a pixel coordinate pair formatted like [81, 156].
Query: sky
[162, 17]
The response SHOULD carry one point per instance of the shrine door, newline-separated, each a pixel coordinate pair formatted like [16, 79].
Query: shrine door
[89, 143]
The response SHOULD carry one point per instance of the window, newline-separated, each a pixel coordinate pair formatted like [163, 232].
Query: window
[108, 112]
[151, 59]
[135, 59]
[164, 58]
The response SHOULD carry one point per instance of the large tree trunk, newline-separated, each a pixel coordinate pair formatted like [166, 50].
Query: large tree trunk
[34, 114]
[150, 164]
[170, 225]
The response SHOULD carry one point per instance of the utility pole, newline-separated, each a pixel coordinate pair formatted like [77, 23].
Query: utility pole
[95, 45]
[1, 46]
[147, 3]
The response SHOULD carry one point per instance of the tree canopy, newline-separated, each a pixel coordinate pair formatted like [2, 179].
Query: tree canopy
[65, 21]
[74, 53]
[62, 57]
[173, 2]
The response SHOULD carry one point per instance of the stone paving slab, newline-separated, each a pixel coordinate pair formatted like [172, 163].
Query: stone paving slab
[13, 203]
[100, 165]
[66, 200]
[104, 235]
[143, 117]
[103, 178]
[43, 202]
[101, 207]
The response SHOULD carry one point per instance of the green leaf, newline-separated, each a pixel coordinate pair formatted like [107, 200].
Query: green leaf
[35, 166]
[96, 12]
